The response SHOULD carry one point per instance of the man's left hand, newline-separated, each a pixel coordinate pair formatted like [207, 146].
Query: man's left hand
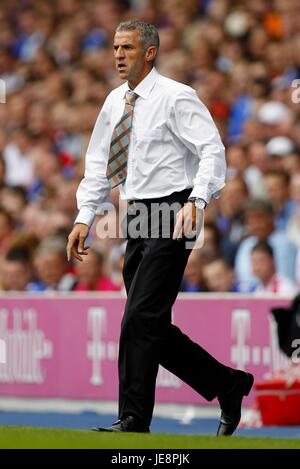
[186, 220]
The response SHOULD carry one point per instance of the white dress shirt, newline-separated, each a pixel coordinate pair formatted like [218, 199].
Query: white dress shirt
[19, 168]
[174, 145]
[278, 284]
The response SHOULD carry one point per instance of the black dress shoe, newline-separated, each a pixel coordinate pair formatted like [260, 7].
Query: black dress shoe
[127, 424]
[231, 403]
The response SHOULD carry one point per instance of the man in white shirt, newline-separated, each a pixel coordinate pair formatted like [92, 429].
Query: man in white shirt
[263, 267]
[174, 154]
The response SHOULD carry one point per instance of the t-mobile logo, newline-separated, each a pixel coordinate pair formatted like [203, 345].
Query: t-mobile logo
[240, 332]
[2, 351]
[96, 346]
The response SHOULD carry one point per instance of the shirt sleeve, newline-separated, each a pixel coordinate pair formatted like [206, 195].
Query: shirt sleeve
[94, 187]
[192, 123]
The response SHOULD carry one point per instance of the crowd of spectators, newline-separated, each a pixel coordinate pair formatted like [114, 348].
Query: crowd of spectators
[56, 62]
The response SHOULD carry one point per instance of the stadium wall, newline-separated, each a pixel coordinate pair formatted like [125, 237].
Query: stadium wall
[66, 346]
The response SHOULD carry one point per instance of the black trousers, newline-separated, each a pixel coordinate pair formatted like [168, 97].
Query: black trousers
[153, 270]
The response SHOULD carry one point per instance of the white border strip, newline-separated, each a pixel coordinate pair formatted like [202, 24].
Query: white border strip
[182, 412]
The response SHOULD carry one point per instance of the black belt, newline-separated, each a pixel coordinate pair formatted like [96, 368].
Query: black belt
[180, 196]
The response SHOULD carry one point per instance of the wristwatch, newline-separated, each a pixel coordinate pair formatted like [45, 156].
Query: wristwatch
[199, 203]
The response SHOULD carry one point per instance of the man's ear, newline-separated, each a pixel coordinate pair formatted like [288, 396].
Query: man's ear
[151, 53]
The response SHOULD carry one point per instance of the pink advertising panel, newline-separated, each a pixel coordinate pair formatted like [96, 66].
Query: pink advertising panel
[67, 346]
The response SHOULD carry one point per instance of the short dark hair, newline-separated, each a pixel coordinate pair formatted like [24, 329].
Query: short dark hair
[148, 33]
[18, 255]
[283, 175]
[263, 246]
[258, 204]
[18, 191]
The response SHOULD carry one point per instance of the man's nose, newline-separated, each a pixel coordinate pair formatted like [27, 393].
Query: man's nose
[119, 53]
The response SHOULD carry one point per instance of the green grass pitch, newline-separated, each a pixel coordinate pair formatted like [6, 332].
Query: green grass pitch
[29, 437]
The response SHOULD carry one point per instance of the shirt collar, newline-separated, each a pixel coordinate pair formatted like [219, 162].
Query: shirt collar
[144, 88]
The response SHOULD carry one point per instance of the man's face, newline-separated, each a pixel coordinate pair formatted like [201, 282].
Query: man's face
[218, 276]
[262, 266]
[277, 189]
[15, 275]
[233, 197]
[51, 267]
[89, 270]
[130, 57]
[259, 223]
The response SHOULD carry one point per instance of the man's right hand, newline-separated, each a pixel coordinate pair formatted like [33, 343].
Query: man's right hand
[77, 237]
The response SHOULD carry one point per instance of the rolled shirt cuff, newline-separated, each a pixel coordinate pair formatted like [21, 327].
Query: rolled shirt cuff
[200, 193]
[86, 216]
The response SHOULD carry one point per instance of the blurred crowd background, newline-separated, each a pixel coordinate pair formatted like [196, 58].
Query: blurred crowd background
[243, 59]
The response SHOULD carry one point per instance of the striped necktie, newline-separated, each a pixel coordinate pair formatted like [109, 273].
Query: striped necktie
[118, 153]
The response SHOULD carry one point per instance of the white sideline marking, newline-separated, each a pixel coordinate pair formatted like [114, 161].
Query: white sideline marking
[71, 406]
